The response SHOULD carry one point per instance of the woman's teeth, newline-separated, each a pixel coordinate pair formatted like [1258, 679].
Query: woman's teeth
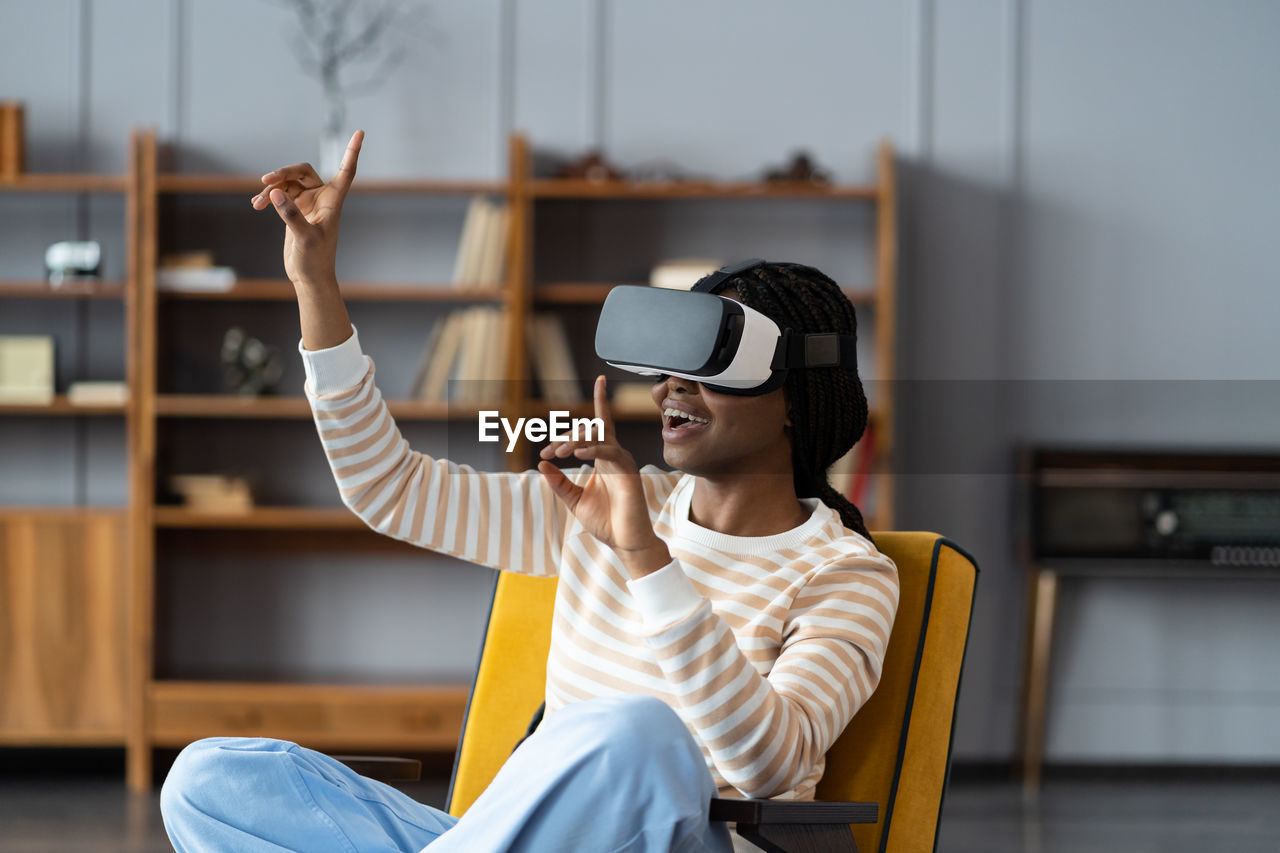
[673, 414]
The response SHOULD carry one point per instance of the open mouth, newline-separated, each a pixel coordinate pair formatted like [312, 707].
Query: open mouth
[676, 420]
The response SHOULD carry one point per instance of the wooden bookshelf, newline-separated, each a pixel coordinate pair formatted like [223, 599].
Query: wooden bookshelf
[161, 711]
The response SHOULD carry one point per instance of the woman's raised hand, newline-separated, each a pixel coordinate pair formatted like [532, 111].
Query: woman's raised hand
[310, 209]
[611, 504]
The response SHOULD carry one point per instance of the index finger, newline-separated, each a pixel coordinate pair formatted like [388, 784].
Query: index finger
[347, 171]
[602, 408]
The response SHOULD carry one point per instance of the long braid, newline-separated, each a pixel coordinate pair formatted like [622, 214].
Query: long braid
[828, 405]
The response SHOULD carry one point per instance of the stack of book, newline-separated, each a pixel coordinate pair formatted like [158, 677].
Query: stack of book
[481, 260]
[552, 360]
[464, 360]
[98, 393]
[193, 272]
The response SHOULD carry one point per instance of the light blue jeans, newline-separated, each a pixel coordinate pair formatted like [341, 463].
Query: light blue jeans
[603, 775]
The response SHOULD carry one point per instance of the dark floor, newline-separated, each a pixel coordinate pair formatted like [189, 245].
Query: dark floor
[1095, 812]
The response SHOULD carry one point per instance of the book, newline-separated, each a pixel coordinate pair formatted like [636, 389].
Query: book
[26, 369]
[442, 359]
[493, 250]
[553, 360]
[424, 361]
[464, 261]
[195, 279]
[98, 393]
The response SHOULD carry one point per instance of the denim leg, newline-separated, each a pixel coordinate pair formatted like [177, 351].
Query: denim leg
[260, 794]
[615, 774]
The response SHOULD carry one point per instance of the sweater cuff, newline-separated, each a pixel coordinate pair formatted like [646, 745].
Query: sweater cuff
[337, 368]
[665, 597]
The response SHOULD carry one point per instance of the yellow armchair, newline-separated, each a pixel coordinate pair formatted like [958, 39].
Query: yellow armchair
[886, 774]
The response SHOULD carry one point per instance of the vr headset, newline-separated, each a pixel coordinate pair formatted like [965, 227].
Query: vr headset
[722, 344]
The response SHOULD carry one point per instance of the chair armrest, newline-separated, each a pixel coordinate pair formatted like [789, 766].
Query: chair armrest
[383, 769]
[792, 811]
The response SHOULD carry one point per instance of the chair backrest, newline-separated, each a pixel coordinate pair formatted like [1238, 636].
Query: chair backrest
[896, 751]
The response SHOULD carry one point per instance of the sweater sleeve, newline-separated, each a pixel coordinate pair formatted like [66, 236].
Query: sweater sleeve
[501, 520]
[766, 734]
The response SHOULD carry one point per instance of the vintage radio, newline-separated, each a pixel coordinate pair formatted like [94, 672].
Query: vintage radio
[1222, 509]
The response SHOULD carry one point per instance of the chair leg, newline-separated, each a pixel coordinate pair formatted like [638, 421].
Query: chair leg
[799, 837]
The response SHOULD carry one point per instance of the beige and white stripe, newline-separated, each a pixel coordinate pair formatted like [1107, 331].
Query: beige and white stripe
[766, 672]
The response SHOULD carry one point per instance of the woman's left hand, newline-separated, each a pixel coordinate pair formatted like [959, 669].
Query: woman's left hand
[611, 504]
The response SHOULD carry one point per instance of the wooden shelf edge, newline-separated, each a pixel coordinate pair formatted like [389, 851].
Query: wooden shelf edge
[61, 407]
[583, 189]
[260, 518]
[54, 182]
[281, 290]
[42, 289]
[594, 293]
[18, 737]
[230, 406]
[216, 184]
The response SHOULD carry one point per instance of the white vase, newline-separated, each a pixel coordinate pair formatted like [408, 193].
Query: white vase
[332, 147]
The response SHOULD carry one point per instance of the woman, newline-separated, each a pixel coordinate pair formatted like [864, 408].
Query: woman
[715, 629]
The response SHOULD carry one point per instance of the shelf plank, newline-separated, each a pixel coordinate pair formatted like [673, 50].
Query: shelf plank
[60, 407]
[261, 518]
[62, 183]
[583, 189]
[231, 406]
[252, 184]
[86, 289]
[427, 717]
[594, 293]
[281, 290]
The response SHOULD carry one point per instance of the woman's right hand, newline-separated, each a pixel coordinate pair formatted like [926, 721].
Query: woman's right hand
[310, 209]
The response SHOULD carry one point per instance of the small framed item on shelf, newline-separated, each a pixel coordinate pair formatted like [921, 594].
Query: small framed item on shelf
[26, 369]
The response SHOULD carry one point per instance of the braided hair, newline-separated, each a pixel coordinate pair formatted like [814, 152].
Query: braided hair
[827, 404]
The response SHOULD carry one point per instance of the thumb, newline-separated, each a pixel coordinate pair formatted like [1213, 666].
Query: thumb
[293, 218]
[561, 486]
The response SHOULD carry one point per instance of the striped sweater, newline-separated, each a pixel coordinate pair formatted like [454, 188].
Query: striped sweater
[765, 646]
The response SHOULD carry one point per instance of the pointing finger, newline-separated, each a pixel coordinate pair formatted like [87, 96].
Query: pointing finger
[347, 170]
[603, 412]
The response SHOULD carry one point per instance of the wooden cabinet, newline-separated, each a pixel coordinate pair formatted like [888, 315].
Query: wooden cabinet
[63, 627]
[64, 567]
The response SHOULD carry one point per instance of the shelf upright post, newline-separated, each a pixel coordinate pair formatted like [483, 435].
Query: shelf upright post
[519, 289]
[886, 328]
[142, 440]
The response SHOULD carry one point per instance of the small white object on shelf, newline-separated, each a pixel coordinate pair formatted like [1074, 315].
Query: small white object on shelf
[98, 393]
[682, 273]
[196, 279]
[26, 369]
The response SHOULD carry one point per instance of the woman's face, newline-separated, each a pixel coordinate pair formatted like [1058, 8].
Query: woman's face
[706, 433]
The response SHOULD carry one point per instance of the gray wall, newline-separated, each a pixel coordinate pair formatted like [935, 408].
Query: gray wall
[1088, 193]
